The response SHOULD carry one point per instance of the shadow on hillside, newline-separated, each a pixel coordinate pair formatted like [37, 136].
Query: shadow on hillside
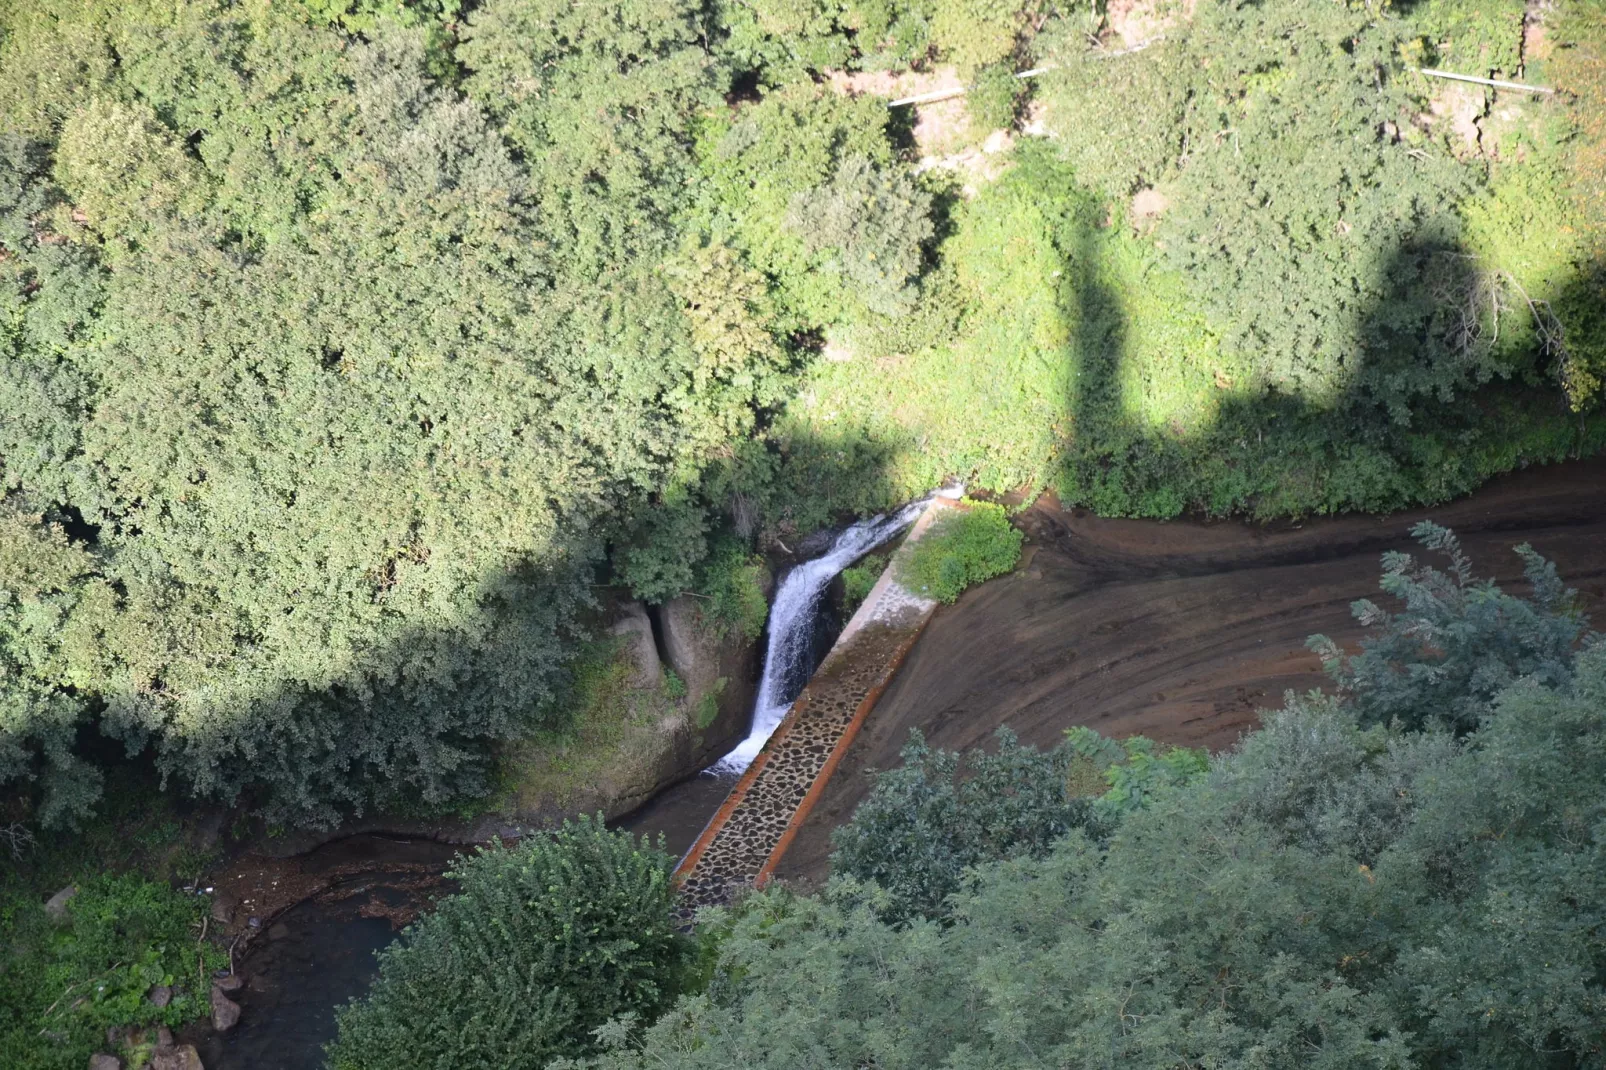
[1430, 401]
[412, 728]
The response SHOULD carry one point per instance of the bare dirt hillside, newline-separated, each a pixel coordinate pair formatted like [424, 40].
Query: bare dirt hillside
[1181, 631]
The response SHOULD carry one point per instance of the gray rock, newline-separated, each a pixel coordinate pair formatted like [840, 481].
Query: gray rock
[692, 653]
[229, 982]
[164, 1037]
[183, 1057]
[225, 1012]
[634, 627]
[56, 905]
[223, 907]
[159, 995]
[101, 1061]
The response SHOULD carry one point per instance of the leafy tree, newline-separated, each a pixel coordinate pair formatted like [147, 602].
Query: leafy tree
[599, 100]
[1458, 641]
[928, 822]
[924, 825]
[804, 183]
[349, 394]
[542, 943]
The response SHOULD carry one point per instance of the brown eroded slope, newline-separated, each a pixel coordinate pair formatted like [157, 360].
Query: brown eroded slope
[1181, 631]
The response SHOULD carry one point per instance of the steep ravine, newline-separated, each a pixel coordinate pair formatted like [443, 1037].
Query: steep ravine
[1182, 631]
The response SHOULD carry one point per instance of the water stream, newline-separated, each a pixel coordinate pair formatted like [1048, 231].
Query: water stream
[788, 663]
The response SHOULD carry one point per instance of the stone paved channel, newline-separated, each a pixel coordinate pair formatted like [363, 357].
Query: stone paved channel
[750, 832]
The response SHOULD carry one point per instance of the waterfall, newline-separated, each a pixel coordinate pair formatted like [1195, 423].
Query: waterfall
[792, 621]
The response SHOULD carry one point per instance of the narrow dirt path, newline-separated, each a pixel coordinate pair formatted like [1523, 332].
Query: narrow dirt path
[1181, 631]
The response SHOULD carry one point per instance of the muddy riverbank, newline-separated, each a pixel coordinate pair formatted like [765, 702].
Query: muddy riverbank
[1182, 631]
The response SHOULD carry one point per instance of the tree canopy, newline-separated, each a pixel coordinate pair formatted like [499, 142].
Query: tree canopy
[349, 345]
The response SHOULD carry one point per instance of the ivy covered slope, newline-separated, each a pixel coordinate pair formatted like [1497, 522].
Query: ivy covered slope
[347, 344]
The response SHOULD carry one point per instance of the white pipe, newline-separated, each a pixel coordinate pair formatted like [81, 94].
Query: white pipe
[944, 94]
[1518, 86]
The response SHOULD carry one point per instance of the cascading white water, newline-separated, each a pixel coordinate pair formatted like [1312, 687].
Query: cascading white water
[792, 622]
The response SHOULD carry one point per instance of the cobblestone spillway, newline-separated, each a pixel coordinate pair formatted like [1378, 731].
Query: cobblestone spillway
[750, 832]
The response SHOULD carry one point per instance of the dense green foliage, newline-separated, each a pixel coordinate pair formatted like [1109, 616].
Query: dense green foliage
[348, 345]
[732, 580]
[130, 926]
[542, 943]
[349, 383]
[963, 547]
[63, 986]
[926, 823]
[1328, 895]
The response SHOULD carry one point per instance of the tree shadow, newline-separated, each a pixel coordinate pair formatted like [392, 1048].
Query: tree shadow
[1429, 402]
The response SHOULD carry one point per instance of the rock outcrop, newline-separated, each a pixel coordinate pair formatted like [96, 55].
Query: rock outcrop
[634, 627]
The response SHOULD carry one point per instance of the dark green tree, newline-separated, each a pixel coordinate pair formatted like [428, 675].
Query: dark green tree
[1458, 640]
[542, 943]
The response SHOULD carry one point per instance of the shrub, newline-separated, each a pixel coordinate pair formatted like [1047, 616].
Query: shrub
[963, 547]
[544, 942]
[924, 824]
[939, 813]
[1457, 642]
[62, 987]
[857, 580]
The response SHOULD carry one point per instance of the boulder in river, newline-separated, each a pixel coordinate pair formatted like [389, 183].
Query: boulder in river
[225, 1012]
[183, 1057]
[691, 652]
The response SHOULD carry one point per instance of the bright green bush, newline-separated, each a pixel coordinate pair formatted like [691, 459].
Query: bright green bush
[63, 986]
[963, 547]
[542, 943]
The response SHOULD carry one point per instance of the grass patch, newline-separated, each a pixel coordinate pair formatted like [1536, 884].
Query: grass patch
[962, 548]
